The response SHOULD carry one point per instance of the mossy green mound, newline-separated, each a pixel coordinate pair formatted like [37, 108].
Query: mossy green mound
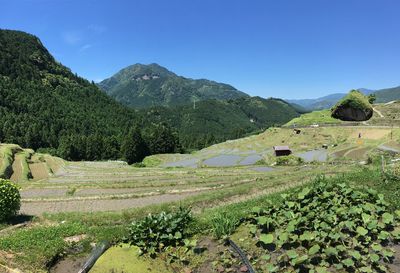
[353, 107]
[316, 117]
[125, 258]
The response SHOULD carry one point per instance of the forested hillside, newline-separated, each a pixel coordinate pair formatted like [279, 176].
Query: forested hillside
[211, 121]
[141, 86]
[44, 105]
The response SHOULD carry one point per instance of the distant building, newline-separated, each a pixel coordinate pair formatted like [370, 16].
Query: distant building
[282, 150]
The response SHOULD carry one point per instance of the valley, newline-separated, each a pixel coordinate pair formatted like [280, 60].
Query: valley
[149, 171]
[51, 184]
[92, 197]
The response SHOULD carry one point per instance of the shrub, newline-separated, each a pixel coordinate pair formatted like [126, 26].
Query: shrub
[156, 232]
[10, 199]
[261, 162]
[289, 160]
[139, 165]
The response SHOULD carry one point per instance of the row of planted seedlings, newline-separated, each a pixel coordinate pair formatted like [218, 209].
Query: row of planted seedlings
[321, 227]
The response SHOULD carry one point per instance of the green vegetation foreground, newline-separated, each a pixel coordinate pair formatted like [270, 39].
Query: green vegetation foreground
[25, 249]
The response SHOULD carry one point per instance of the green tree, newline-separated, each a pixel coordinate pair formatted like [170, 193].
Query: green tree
[94, 147]
[134, 148]
[371, 98]
[161, 139]
[111, 148]
[72, 147]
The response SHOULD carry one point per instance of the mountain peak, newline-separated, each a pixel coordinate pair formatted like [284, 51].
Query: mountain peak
[147, 69]
[144, 85]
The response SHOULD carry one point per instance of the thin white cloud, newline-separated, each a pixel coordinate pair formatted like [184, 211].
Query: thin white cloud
[85, 47]
[80, 39]
[72, 37]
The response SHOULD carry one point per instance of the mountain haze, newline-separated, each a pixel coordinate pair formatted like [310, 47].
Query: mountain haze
[141, 86]
[319, 103]
[326, 102]
[388, 94]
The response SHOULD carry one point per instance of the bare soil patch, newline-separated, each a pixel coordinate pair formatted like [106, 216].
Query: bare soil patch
[395, 266]
[371, 133]
[69, 265]
[212, 250]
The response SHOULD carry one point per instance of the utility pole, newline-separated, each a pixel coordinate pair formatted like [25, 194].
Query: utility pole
[391, 132]
[194, 102]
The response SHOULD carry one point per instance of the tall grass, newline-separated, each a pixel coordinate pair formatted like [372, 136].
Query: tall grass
[224, 224]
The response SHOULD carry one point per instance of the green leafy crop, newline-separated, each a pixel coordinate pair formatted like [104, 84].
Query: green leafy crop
[327, 227]
[10, 199]
[156, 232]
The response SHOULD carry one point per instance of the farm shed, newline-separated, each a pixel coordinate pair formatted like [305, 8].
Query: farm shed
[282, 150]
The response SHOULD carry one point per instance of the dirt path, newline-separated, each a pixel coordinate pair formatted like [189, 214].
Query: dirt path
[38, 208]
[378, 112]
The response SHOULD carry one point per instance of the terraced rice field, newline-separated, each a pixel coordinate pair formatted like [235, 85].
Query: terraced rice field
[341, 153]
[357, 154]
[222, 173]
[114, 186]
[247, 151]
[17, 169]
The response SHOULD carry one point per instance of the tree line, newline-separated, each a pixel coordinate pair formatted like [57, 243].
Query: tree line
[133, 146]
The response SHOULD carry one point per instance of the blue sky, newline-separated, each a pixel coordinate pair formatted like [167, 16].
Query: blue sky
[279, 48]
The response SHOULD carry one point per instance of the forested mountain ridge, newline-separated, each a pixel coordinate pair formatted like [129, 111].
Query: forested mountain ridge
[203, 112]
[211, 121]
[141, 86]
[388, 94]
[43, 104]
